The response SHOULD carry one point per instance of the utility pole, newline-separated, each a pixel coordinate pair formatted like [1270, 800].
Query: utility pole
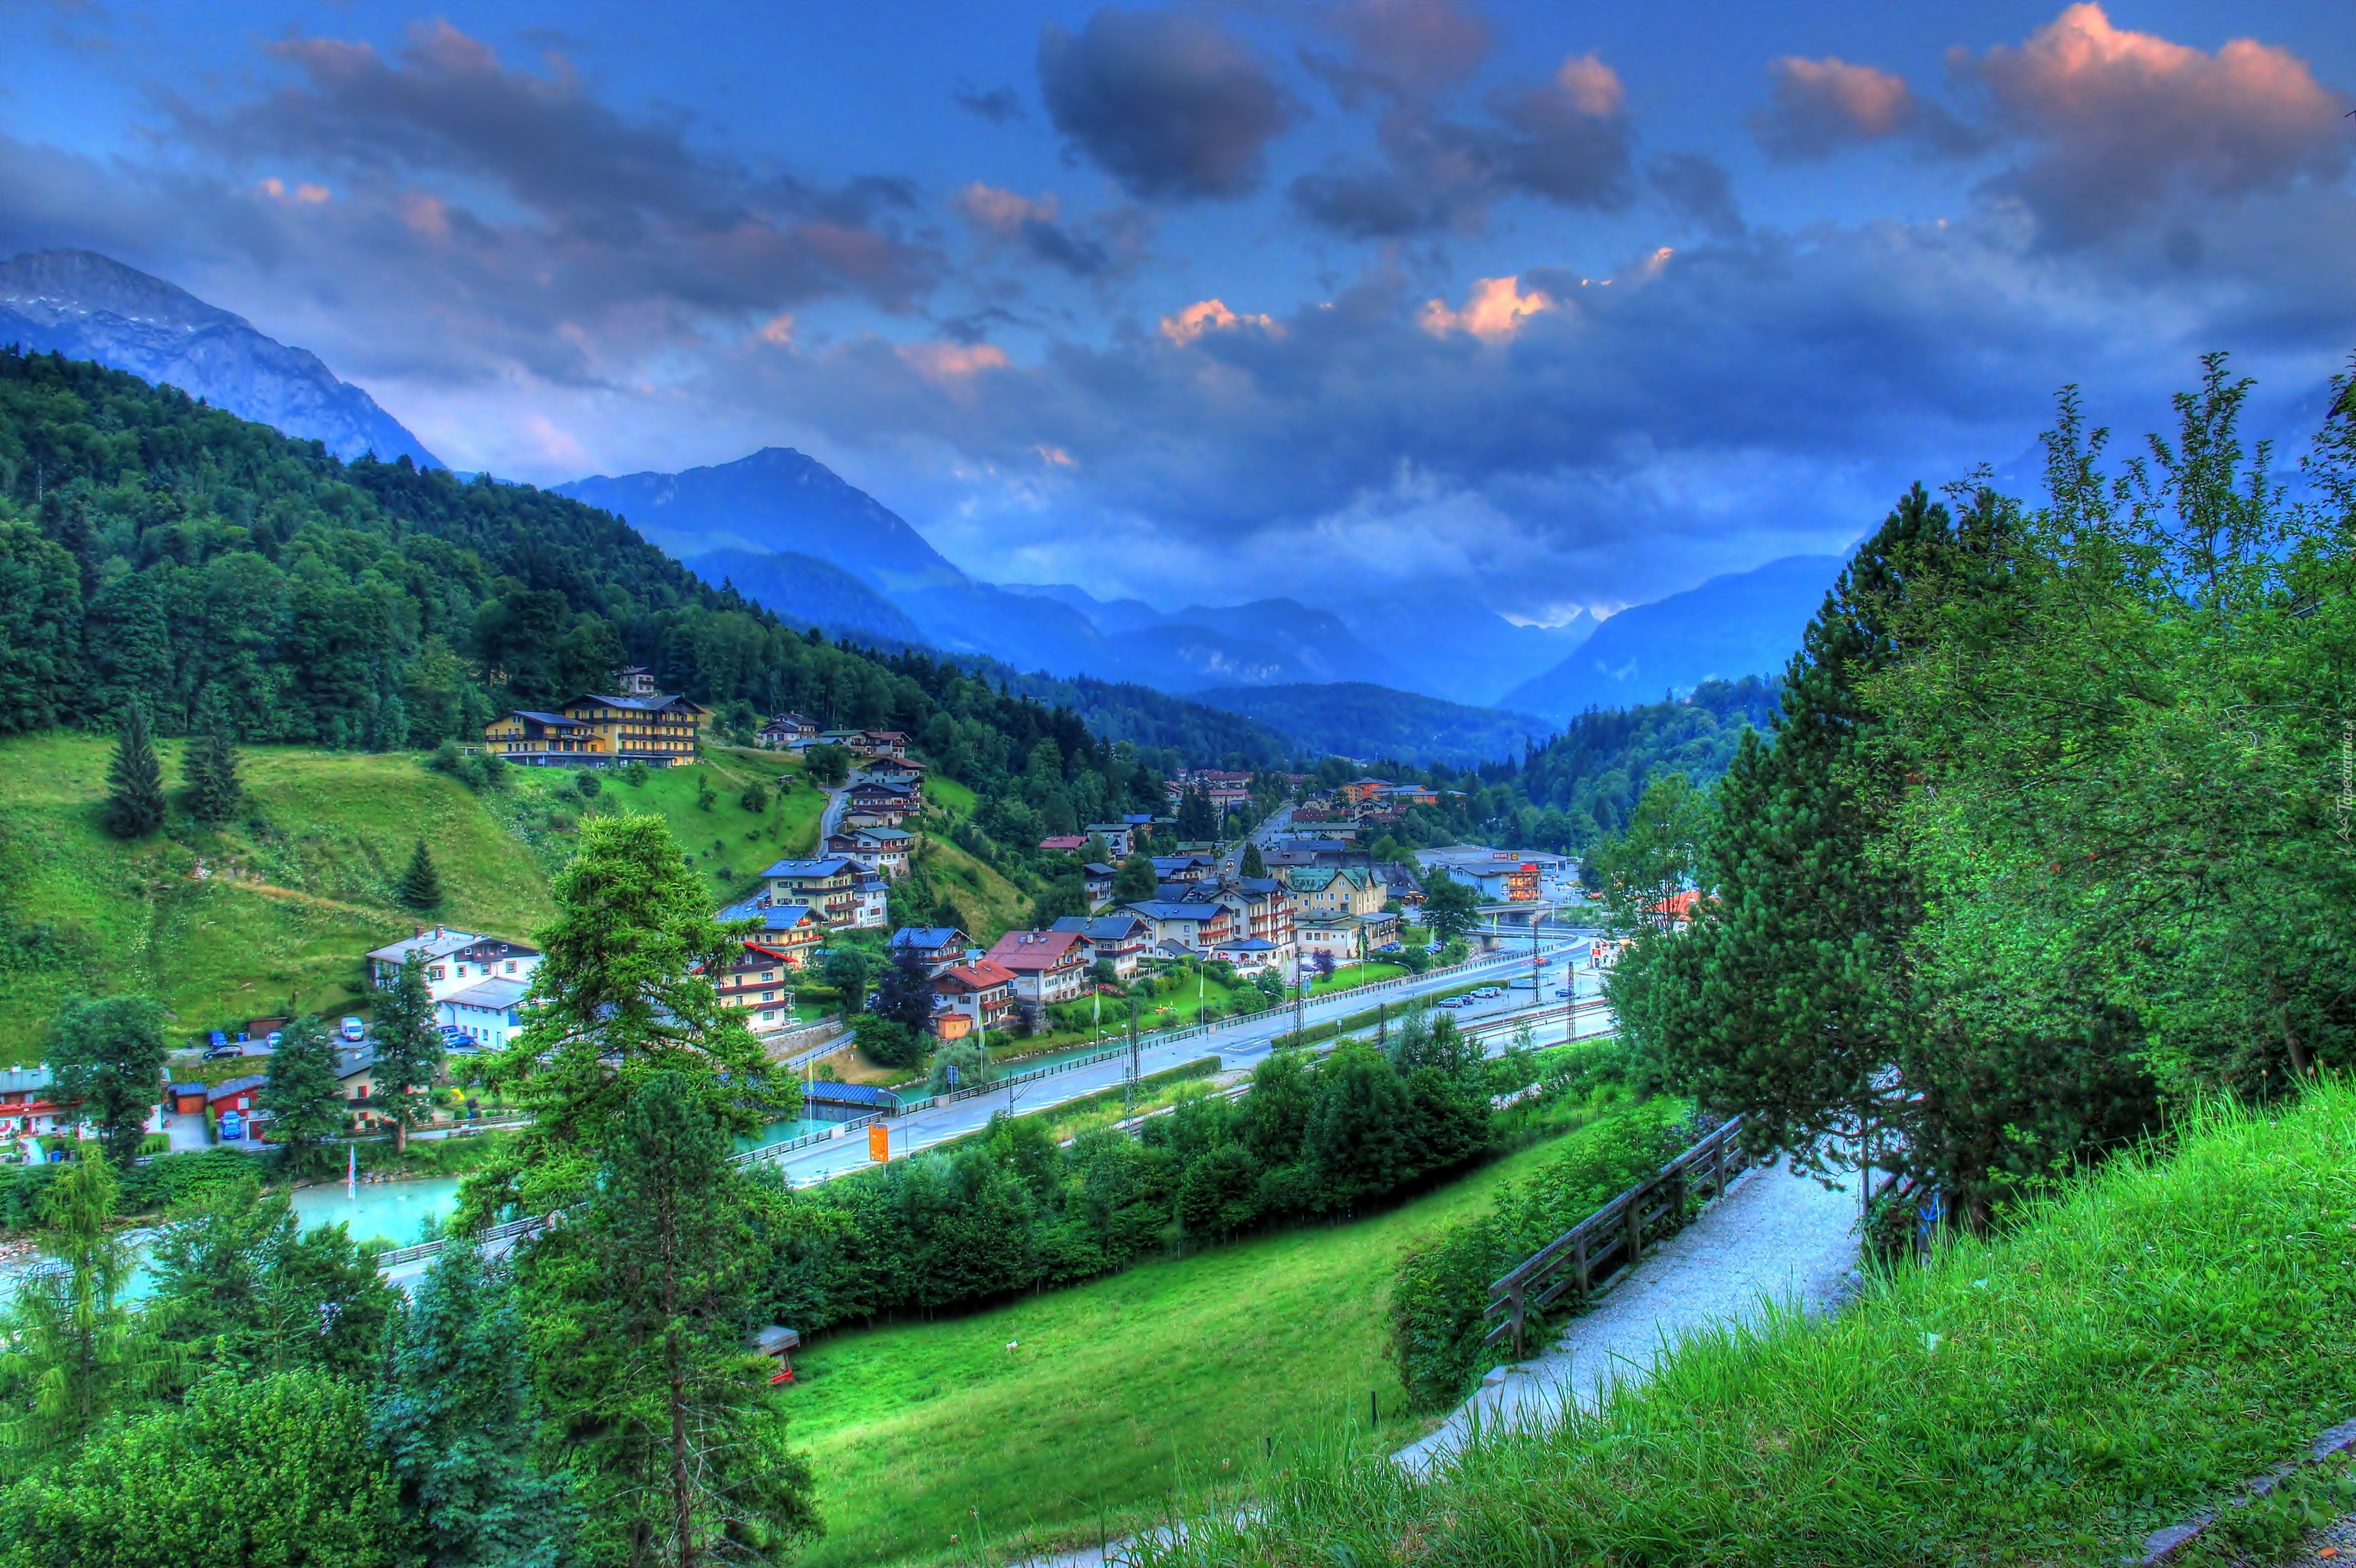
[1300, 997]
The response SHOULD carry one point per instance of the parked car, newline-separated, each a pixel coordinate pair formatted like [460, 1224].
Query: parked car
[1562, 990]
[219, 1052]
[353, 1029]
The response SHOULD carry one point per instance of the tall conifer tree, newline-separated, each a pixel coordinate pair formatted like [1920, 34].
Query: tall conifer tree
[674, 1438]
[210, 773]
[409, 1051]
[420, 884]
[135, 804]
[303, 1096]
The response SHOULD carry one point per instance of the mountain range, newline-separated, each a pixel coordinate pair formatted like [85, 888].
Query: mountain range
[88, 306]
[1745, 622]
[1431, 675]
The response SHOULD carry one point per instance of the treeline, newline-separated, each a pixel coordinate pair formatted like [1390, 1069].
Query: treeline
[2053, 837]
[1010, 1211]
[232, 580]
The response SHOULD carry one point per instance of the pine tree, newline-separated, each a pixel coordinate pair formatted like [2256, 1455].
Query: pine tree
[421, 885]
[134, 805]
[675, 1441]
[409, 1050]
[904, 992]
[210, 773]
[303, 1096]
[627, 993]
[1253, 865]
[454, 1418]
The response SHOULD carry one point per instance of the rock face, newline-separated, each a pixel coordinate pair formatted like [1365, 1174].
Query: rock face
[88, 306]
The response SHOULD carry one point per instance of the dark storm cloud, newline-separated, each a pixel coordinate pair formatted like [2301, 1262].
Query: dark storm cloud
[543, 199]
[999, 106]
[1568, 140]
[1169, 106]
[1005, 220]
[1699, 190]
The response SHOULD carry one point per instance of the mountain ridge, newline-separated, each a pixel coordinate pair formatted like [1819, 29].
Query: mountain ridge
[86, 305]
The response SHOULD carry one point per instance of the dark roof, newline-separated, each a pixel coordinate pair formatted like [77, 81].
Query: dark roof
[1096, 868]
[849, 1095]
[831, 866]
[926, 936]
[1098, 928]
[237, 1086]
[1169, 908]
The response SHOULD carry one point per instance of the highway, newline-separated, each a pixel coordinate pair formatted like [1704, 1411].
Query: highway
[1240, 1044]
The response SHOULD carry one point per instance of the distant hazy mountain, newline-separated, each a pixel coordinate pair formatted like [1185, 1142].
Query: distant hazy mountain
[1448, 643]
[87, 306]
[774, 502]
[1354, 719]
[1442, 642]
[1746, 624]
[808, 592]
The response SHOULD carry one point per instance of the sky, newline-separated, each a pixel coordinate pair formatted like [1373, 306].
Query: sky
[1566, 305]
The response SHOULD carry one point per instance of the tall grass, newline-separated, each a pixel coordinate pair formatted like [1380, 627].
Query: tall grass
[2129, 1351]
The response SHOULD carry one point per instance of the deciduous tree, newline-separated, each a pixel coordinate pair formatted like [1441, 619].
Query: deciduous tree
[110, 1056]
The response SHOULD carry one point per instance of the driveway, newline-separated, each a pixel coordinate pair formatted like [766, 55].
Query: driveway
[187, 1131]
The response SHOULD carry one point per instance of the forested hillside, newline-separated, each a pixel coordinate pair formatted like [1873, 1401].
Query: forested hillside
[227, 576]
[2053, 839]
[1359, 718]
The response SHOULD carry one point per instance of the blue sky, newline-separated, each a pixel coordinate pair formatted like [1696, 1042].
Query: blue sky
[1567, 305]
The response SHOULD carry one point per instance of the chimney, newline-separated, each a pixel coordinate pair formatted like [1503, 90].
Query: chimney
[437, 933]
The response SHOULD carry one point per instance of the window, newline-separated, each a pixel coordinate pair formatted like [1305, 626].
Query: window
[435, 973]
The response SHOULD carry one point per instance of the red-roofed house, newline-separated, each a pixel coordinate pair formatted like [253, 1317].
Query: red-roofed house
[1064, 843]
[970, 996]
[1047, 965]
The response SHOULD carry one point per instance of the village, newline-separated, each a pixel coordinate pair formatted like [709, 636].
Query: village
[1299, 899]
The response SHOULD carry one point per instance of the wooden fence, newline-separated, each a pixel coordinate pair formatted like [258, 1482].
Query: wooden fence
[1593, 1253]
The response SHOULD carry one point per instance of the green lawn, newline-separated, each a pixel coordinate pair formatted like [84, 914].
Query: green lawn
[1170, 1375]
[2125, 1353]
[270, 914]
[1353, 975]
[292, 894]
[949, 796]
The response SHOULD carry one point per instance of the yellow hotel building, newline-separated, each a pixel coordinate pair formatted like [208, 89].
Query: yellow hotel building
[638, 724]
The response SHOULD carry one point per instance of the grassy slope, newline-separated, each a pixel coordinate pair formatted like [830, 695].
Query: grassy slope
[315, 860]
[992, 905]
[728, 837]
[1119, 1390]
[336, 831]
[2124, 1357]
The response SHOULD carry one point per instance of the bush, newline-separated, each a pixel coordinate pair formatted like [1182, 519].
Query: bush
[587, 783]
[888, 1042]
[1442, 1288]
[819, 996]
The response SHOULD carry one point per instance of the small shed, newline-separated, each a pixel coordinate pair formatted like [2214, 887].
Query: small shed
[778, 1342]
[187, 1097]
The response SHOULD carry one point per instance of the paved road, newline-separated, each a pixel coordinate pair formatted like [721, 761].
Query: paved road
[1776, 1236]
[1240, 1044]
[831, 819]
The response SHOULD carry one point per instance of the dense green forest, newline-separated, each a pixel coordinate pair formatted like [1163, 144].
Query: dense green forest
[155, 548]
[2054, 837]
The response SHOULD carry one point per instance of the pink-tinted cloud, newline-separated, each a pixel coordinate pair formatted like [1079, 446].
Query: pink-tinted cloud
[1817, 106]
[2119, 121]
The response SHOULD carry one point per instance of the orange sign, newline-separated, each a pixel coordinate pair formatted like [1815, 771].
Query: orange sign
[879, 1142]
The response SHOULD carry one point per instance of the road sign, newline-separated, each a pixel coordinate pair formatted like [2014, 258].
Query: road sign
[879, 1142]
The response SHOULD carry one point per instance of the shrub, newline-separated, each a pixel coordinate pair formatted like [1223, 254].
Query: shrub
[1442, 1288]
[888, 1042]
[587, 783]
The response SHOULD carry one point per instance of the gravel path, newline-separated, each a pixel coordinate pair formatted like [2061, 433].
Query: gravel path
[1775, 1236]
